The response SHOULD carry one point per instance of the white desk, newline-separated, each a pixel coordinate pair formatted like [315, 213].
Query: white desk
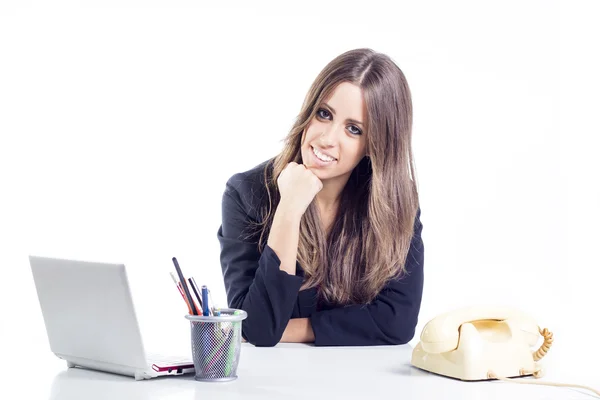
[293, 371]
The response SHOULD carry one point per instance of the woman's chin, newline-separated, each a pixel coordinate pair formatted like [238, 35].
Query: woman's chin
[319, 173]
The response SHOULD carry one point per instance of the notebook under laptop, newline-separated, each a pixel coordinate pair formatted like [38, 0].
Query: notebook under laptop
[91, 321]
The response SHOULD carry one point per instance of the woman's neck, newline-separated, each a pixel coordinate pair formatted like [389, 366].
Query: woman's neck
[329, 197]
[328, 201]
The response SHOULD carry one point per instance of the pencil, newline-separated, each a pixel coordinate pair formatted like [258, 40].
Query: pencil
[181, 292]
[185, 287]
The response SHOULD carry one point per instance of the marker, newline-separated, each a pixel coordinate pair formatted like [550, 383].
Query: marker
[205, 311]
[185, 287]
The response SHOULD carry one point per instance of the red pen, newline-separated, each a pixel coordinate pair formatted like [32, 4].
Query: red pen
[181, 293]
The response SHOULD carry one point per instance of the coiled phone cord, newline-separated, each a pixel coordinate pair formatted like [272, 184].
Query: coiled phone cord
[541, 352]
[548, 339]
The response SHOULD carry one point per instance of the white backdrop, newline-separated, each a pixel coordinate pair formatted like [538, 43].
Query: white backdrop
[121, 121]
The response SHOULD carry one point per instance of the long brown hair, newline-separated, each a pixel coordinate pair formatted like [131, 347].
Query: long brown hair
[371, 234]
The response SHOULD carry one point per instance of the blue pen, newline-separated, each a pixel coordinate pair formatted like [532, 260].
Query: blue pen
[205, 311]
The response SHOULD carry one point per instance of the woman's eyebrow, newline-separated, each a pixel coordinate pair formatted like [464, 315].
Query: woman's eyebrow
[349, 119]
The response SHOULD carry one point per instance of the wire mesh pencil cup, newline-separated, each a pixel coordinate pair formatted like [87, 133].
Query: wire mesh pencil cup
[216, 344]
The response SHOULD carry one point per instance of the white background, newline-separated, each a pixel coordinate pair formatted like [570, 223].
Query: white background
[121, 121]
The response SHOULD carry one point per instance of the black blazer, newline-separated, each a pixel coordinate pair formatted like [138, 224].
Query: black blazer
[255, 284]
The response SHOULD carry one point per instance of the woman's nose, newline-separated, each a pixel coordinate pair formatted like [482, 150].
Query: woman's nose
[328, 136]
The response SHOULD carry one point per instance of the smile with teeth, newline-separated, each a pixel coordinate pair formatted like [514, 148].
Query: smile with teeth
[322, 156]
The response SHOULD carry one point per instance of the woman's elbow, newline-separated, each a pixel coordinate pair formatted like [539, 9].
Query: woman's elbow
[401, 333]
[258, 328]
[402, 338]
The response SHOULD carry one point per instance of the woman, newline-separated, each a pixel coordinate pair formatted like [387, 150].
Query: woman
[322, 244]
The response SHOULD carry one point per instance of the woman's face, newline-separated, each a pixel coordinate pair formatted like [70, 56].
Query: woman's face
[335, 140]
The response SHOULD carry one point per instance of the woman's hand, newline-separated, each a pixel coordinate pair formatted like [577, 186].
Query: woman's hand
[298, 330]
[298, 187]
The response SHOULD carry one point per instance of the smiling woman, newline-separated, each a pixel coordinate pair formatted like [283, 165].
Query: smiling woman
[322, 243]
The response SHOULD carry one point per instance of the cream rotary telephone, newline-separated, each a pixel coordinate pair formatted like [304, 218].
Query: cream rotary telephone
[480, 343]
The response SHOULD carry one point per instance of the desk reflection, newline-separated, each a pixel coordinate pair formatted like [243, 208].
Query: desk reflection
[295, 371]
[79, 383]
[291, 371]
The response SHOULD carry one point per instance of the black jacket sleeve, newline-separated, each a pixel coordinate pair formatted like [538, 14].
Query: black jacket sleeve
[253, 281]
[390, 319]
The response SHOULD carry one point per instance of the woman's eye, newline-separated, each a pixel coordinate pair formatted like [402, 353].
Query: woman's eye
[323, 113]
[354, 130]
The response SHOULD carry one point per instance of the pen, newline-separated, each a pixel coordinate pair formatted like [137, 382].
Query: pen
[205, 310]
[181, 292]
[185, 287]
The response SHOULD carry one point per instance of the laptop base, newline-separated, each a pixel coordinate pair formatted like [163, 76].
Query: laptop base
[137, 373]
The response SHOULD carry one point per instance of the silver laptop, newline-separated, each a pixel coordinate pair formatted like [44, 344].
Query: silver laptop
[91, 322]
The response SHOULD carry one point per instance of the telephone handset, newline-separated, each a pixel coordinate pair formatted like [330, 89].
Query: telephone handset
[479, 343]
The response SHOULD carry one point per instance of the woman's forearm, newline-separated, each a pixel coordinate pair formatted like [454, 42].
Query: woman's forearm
[298, 330]
[284, 236]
